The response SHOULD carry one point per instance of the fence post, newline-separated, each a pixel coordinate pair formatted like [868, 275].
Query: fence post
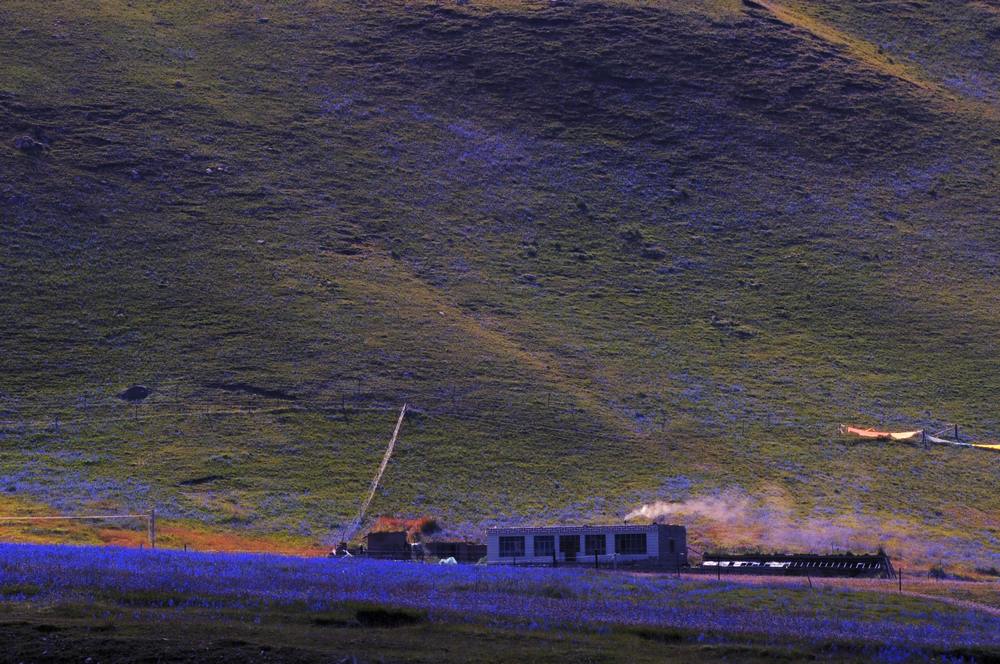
[152, 528]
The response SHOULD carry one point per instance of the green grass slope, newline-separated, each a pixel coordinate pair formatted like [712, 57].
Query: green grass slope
[609, 252]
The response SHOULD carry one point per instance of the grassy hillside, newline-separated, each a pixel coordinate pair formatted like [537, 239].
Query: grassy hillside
[610, 252]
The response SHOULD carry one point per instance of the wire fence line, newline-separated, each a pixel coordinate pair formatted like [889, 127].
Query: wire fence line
[74, 517]
[362, 401]
[151, 535]
[494, 425]
[563, 419]
[439, 411]
[149, 517]
[339, 392]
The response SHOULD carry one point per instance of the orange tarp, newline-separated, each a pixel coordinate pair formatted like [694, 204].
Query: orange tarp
[906, 435]
[881, 435]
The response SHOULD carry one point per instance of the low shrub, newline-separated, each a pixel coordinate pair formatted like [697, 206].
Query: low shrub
[660, 635]
[556, 591]
[378, 616]
[19, 590]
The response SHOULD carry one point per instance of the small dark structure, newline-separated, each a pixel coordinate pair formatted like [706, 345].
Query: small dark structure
[135, 393]
[388, 545]
[462, 552]
[875, 565]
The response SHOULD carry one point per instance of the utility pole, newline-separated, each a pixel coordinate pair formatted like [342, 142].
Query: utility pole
[349, 532]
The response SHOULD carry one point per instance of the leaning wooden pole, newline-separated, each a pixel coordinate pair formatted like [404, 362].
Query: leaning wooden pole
[349, 533]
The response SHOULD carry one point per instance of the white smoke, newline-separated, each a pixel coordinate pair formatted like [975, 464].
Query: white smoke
[768, 523]
[735, 520]
[726, 509]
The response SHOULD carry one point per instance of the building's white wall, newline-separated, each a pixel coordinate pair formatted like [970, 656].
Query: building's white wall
[678, 535]
[653, 545]
[492, 547]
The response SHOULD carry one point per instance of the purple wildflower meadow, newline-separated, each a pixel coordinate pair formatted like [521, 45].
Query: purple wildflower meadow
[533, 598]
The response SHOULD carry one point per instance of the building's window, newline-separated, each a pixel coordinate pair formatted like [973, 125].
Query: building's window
[569, 546]
[545, 545]
[595, 545]
[672, 549]
[511, 547]
[630, 544]
[569, 543]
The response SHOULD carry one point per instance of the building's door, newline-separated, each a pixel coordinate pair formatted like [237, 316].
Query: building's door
[569, 545]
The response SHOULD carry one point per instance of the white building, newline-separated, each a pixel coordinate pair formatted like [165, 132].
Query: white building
[656, 544]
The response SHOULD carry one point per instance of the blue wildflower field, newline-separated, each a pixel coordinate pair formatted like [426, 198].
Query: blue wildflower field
[130, 586]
